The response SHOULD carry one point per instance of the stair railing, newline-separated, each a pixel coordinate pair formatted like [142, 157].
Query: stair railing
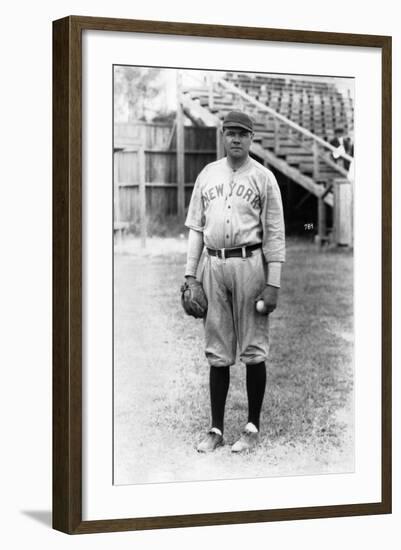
[319, 147]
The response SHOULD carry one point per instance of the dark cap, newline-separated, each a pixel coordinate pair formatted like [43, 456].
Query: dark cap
[238, 119]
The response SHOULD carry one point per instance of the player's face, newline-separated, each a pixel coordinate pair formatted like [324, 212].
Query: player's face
[237, 143]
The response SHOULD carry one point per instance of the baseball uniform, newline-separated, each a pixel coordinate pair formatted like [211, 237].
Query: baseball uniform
[236, 209]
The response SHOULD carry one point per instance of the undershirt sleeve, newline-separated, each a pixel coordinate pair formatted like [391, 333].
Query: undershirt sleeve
[194, 251]
[273, 223]
[274, 274]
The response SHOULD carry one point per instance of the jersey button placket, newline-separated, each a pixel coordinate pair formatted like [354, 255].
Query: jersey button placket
[229, 208]
[227, 232]
[227, 222]
[228, 225]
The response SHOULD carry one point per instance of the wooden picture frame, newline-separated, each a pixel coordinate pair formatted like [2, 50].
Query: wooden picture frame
[67, 273]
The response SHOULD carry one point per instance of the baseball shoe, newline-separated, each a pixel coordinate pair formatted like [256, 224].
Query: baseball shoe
[248, 440]
[210, 443]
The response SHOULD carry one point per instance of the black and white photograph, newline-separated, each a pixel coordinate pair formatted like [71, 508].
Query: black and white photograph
[233, 316]
[201, 293]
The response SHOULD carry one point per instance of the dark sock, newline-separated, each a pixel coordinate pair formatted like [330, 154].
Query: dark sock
[219, 383]
[255, 387]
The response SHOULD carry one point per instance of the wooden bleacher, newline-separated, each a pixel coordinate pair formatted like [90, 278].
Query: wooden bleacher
[317, 106]
[294, 121]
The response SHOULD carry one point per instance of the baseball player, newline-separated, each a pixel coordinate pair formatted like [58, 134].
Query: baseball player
[236, 213]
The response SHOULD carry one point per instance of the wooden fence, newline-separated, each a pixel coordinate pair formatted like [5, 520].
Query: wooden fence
[146, 156]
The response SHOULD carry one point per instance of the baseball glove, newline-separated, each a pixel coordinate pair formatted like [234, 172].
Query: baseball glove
[193, 299]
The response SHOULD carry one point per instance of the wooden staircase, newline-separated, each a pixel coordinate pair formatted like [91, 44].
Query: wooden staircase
[282, 143]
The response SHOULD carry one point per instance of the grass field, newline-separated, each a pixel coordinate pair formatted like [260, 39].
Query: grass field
[161, 398]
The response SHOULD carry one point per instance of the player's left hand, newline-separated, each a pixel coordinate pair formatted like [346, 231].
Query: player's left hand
[269, 295]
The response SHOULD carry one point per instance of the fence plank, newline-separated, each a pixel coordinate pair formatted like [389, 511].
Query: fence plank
[142, 196]
[180, 150]
[117, 214]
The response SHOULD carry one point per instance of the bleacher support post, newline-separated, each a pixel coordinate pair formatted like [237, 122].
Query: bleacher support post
[343, 215]
[276, 136]
[315, 150]
[211, 93]
[321, 221]
[219, 144]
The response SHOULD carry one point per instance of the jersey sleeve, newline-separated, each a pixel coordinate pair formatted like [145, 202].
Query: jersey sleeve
[194, 252]
[273, 222]
[196, 216]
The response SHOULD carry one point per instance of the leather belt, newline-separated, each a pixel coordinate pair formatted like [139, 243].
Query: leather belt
[238, 252]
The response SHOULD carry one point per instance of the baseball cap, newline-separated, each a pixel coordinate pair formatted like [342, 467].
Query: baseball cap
[235, 119]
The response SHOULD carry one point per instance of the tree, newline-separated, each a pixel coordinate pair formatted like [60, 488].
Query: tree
[134, 90]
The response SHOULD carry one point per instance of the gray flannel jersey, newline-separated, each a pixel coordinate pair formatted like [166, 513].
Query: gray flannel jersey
[238, 207]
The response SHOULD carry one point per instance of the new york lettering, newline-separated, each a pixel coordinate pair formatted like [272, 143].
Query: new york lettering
[241, 191]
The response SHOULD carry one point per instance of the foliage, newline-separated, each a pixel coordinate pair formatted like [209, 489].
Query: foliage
[135, 88]
[165, 118]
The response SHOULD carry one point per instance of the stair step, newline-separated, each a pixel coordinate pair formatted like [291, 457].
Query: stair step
[323, 168]
[220, 103]
[299, 157]
[282, 147]
[290, 149]
[285, 146]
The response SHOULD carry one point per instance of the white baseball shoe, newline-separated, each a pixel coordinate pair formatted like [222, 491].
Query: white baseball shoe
[249, 439]
[213, 440]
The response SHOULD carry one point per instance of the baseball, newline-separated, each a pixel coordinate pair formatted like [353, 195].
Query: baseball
[260, 305]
